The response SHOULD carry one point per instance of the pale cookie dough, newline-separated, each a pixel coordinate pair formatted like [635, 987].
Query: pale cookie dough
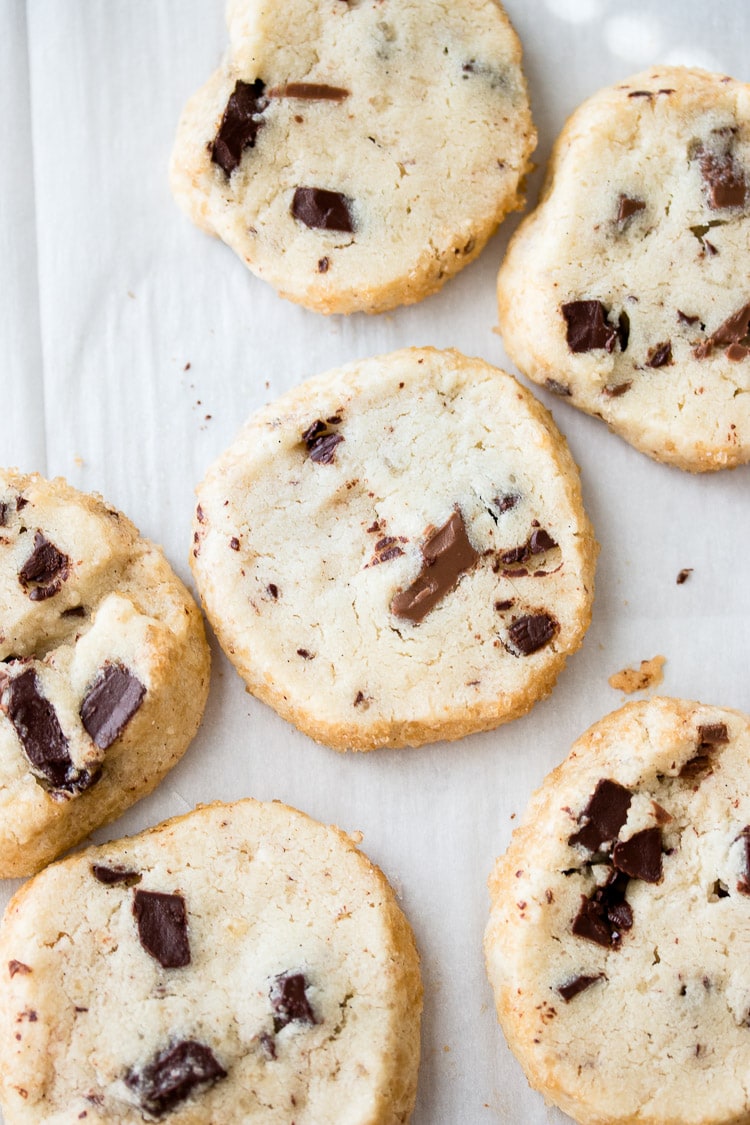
[358, 153]
[239, 964]
[618, 945]
[396, 551]
[627, 290]
[104, 668]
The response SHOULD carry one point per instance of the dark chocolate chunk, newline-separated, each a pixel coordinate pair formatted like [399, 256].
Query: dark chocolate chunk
[309, 91]
[447, 554]
[289, 1001]
[696, 766]
[110, 704]
[320, 209]
[605, 914]
[604, 815]
[74, 611]
[684, 574]
[240, 124]
[558, 388]
[162, 927]
[575, 985]
[173, 1075]
[626, 207]
[110, 876]
[38, 728]
[587, 326]
[273, 590]
[640, 856]
[623, 330]
[44, 571]
[531, 632]
[323, 451]
[234, 543]
[660, 355]
[723, 178]
[3, 514]
[712, 734]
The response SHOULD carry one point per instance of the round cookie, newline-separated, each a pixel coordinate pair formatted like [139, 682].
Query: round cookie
[239, 964]
[625, 291]
[396, 551]
[619, 934]
[104, 668]
[358, 153]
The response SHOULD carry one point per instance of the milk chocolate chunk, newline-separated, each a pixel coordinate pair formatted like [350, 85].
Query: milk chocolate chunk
[734, 329]
[723, 178]
[173, 1075]
[110, 876]
[310, 91]
[240, 124]
[532, 632]
[587, 326]
[44, 571]
[713, 734]
[576, 985]
[447, 554]
[289, 1001]
[605, 915]
[660, 355]
[614, 391]
[640, 856]
[110, 704]
[320, 209]
[626, 207]
[38, 728]
[162, 927]
[604, 815]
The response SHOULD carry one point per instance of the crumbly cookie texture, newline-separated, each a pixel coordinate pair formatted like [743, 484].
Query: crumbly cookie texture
[619, 933]
[104, 668]
[626, 290]
[239, 964]
[396, 551]
[358, 153]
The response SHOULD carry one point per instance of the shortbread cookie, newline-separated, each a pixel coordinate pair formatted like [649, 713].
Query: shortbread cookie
[626, 291]
[239, 964]
[618, 939]
[104, 668]
[357, 153]
[396, 551]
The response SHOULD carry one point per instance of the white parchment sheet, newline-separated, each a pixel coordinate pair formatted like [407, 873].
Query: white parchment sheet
[132, 347]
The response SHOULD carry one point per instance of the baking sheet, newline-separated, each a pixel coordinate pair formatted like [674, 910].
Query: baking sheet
[133, 347]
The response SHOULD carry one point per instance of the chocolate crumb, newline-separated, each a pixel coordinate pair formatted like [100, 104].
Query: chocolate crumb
[234, 543]
[684, 574]
[323, 264]
[616, 390]
[627, 207]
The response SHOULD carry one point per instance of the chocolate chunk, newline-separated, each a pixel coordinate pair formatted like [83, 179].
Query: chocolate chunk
[640, 856]
[18, 967]
[234, 543]
[38, 728]
[162, 927]
[734, 329]
[684, 574]
[617, 390]
[685, 319]
[723, 179]
[623, 330]
[532, 632]
[447, 554]
[587, 326]
[173, 1075]
[320, 209]
[44, 571]
[323, 451]
[575, 985]
[239, 125]
[538, 542]
[696, 766]
[309, 91]
[641, 94]
[273, 590]
[289, 1001]
[709, 736]
[323, 264]
[660, 355]
[3, 515]
[743, 886]
[737, 352]
[558, 388]
[110, 704]
[109, 876]
[626, 207]
[605, 914]
[713, 734]
[21, 503]
[604, 815]
[507, 502]
[74, 611]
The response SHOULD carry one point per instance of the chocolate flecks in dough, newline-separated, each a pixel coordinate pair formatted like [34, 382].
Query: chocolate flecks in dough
[173, 1075]
[386, 549]
[640, 856]
[200, 514]
[723, 178]
[617, 390]
[660, 355]
[323, 264]
[713, 734]
[18, 967]
[538, 543]
[605, 814]
[305, 654]
[38, 728]
[162, 927]
[531, 632]
[320, 209]
[3, 514]
[288, 995]
[641, 94]
[21, 503]
[685, 319]
[502, 606]
[111, 876]
[576, 985]
[240, 124]
[605, 914]
[447, 554]
[273, 590]
[268, 1045]
[684, 574]
[310, 91]
[627, 206]
[558, 388]
[234, 543]
[110, 704]
[44, 571]
[507, 502]
[587, 327]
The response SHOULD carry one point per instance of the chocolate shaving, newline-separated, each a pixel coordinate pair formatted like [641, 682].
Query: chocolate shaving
[605, 914]
[587, 326]
[173, 1075]
[604, 815]
[110, 876]
[640, 856]
[162, 927]
[531, 632]
[110, 704]
[575, 985]
[44, 571]
[289, 1001]
[660, 355]
[239, 125]
[447, 554]
[320, 209]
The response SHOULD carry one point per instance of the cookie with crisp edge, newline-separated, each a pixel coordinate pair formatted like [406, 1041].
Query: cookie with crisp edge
[320, 521]
[622, 291]
[620, 917]
[358, 154]
[104, 667]
[258, 950]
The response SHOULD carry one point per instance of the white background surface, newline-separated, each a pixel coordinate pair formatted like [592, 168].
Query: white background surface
[107, 293]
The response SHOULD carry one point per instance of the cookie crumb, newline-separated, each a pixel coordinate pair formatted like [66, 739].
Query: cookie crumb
[648, 675]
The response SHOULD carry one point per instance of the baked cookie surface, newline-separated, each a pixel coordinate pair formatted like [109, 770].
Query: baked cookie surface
[358, 153]
[626, 290]
[396, 551]
[620, 923]
[104, 668]
[242, 963]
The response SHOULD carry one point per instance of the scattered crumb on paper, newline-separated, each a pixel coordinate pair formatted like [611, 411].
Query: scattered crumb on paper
[639, 679]
[684, 575]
